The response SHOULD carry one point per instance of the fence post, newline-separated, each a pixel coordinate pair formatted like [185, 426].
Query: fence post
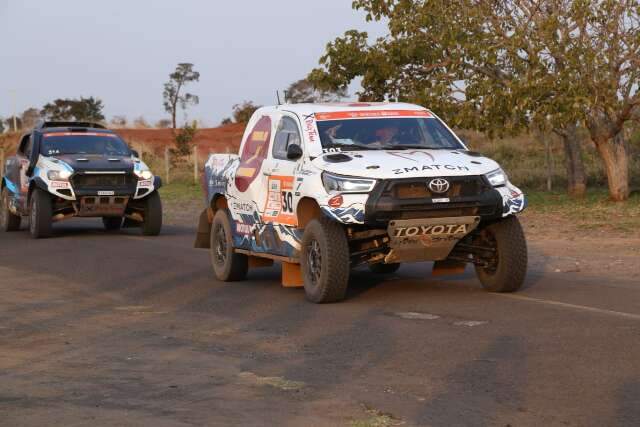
[195, 164]
[166, 164]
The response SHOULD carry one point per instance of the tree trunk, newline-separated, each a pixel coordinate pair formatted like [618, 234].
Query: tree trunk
[576, 176]
[173, 116]
[616, 162]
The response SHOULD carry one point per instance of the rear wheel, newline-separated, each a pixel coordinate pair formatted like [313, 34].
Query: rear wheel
[8, 221]
[381, 268]
[112, 223]
[507, 266]
[228, 265]
[324, 261]
[152, 223]
[40, 213]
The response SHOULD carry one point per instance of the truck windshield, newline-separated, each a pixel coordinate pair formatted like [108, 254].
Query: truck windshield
[395, 133]
[83, 143]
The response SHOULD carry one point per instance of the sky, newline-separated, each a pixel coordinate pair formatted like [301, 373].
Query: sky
[123, 51]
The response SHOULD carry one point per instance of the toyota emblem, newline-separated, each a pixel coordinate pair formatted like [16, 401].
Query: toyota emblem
[439, 185]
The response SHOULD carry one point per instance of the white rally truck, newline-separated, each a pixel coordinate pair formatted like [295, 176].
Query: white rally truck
[325, 188]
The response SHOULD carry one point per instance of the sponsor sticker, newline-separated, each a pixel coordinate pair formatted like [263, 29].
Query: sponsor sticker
[430, 230]
[279, 206]
[59, 185]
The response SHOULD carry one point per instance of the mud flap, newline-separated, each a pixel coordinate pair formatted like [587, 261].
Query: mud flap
[429, 239]
[204, 230]
[292, 275]
[447, 267]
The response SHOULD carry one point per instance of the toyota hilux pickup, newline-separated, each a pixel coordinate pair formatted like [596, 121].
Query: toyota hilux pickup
[325, 188]
[67, 169]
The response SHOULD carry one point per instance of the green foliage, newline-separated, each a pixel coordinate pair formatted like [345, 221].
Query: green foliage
[183, 74]
[304, 91]
[502, 66]
[30, 117]
[1, 125]
[242, 112]
[83, 109]
[183, 139]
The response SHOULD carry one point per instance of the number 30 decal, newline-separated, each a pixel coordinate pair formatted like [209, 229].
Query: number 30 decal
[287, 201]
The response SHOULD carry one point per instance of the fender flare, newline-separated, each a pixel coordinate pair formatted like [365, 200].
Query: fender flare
[36, 182]
[157, 182]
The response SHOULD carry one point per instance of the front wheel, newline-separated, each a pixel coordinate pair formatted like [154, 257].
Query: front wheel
[152, 223]
[228, 265]
[324, 261]
[40, 214]
[506, 268]
[8, 221]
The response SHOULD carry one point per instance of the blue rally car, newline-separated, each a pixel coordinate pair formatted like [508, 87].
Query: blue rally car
[67, 169]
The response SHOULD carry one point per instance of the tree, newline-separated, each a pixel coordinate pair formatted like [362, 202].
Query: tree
[504, 66]
[9, 122]
[226, 121]
[119, 121]
[163, 124]
[141, 123]
[242, 112]
[1, 126]
[304, 91]
[182, 75]
[30, 117]
[83, 109]
[183, 139]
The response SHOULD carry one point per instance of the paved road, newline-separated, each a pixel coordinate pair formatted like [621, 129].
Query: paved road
[124, 330]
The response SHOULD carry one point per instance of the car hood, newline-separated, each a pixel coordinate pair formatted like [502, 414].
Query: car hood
[385, 164]
[93, 163]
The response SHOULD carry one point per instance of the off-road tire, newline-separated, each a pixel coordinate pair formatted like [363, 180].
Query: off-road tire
[152, 223]
[8, 221]
[112, 223]
[508, 274]
[40, 214]
[381, 268]
[228, 265]
[331, 278]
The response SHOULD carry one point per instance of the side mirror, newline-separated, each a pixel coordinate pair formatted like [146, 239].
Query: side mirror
[294, 152]
[135, 154]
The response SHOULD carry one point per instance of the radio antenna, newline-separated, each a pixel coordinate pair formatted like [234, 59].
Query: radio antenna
[278, 97]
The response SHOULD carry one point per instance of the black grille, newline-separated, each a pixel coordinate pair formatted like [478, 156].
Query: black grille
[464, 186]
[102, 181]
[411, 198]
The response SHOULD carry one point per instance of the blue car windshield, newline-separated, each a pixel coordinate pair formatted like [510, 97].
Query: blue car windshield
[108, 144]
[386, 133]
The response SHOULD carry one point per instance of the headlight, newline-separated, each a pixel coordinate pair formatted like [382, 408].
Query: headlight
[145, 174]
[55, 175]
[344, 184]
[497, 177]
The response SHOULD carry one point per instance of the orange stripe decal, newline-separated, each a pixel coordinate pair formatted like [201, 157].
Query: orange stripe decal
[369, 114]
[110, 135]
